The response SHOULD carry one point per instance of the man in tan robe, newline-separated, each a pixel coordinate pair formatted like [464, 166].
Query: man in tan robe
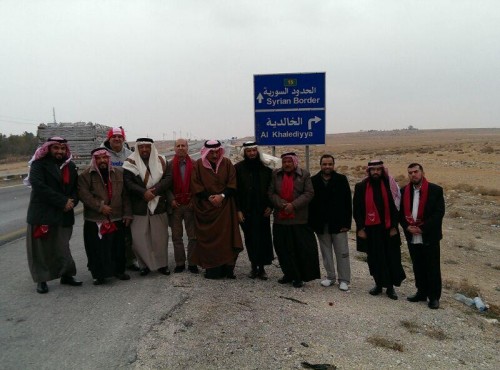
[213, 182]
[147, 179]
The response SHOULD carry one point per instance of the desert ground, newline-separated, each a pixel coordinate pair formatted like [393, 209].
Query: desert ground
[252, 324]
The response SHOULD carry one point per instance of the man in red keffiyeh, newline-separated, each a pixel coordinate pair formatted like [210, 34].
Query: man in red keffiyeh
[291, 191]
[53, 180]
[106, 207]
[421, 217]
[376, 219]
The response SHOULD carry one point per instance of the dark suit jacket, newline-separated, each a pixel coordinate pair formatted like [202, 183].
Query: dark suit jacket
[432, 231]
[332, 204]
[49, 195]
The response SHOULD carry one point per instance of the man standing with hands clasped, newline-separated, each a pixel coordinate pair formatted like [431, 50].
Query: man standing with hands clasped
[330, 216]
[421, 217]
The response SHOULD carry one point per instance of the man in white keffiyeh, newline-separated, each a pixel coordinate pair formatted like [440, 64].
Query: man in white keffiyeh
[147, 180]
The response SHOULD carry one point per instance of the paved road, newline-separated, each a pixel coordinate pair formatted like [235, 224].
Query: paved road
[13, 205]
[87, 327]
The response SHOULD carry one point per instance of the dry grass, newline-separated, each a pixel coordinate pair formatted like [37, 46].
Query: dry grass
[361, 257]
[382, 342]
[463, 287]
[431, 332]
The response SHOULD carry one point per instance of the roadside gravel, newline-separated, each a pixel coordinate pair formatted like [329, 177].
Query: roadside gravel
[254, 324]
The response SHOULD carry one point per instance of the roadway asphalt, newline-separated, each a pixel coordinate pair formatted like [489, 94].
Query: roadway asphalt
[87, 327]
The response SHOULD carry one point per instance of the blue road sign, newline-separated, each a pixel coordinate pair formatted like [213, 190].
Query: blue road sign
[290, 109]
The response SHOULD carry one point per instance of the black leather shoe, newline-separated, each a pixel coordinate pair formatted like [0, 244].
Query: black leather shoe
[70, 280]
[262, 275]
[178, 269]
[122, 276]
[391, 293]
[298, 283]
[193, 269]
[284, 280]
[417, 297]
[376, 290]
[164, 270]
[252, 274]
[42, 287]
[99, 281]
[433, 304]
[144, 271]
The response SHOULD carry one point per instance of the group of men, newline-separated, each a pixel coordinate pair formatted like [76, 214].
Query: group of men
[131, 198]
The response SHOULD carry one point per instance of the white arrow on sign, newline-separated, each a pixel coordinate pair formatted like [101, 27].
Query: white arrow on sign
[260, 98]
[316, 119]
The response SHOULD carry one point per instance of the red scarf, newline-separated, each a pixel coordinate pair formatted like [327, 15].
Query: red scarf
[286, 194]
[372, 217]
[182, 191]
[424, 195]
[65, 175]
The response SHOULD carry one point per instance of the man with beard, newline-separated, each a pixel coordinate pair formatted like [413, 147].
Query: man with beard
[106, 210]
[291, 191]
[119, 151]
[181, 207]
[330, 216]
[376, 219]
[421, 217]
[147, 180]
[254, 208]
[218, 239]
[53, 179]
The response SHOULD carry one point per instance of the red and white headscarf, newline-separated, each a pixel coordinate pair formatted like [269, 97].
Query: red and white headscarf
[294, 157]
[44, 149]
[396, 195]
[211, 145]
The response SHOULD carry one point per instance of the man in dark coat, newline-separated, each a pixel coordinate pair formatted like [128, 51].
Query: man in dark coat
[376, 219]
[254, 208]
[53, 178]
[421, 217]
[106, 210]
[330, 216]
[291, 191]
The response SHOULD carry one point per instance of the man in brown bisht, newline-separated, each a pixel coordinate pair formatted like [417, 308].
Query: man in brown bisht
[53, 180]
[179, 200]
[213, 182]
[106, 210]
[147, 180]
[377, 231]
[291, 191]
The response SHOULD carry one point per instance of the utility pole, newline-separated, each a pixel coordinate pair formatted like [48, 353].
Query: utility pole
[54, 115]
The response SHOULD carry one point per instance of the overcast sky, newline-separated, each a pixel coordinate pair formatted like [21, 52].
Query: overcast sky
[158, 66]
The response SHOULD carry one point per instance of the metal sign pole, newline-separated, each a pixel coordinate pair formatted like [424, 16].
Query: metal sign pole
[307, 157]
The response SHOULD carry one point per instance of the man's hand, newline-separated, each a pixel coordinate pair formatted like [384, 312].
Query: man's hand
[415, 230]
[106, 210]
[127, 222]
[174, 204]
[362, 234]
[267, 212]
[70, 204]
[149, 195]
[241, 217]
[288, 208]
[393, 231]
[216, 200]
[344, 229]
